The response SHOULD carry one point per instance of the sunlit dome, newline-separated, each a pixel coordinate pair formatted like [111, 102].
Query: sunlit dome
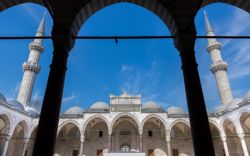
[247, 96]
[99, 106]
[150, 105]
[175, 110]
[31, 110]
[16, 105]
[74, 110]
[2, 97]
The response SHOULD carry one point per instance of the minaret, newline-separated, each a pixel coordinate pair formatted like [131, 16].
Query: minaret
[31, 68]
[218, 66]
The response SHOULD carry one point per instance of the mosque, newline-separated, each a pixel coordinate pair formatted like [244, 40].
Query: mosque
[125, 126]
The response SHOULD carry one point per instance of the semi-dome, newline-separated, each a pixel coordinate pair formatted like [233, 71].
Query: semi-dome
[99, 106]
[74, 110]
[247, 96]
[2, 97]
[150, 105]
[31, 110]
[175, 110]
[16, 105]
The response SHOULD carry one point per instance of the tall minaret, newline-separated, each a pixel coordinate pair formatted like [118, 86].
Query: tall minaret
[31, 68]
[218, 66]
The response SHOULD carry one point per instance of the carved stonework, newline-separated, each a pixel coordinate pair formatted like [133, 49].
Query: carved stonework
[218, 66]
[36, 47]
[216, 45]
[31, 67]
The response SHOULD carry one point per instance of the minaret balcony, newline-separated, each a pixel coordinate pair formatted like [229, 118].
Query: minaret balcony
[36, 46]
[215, 45]
[29, 66]
[220, 65]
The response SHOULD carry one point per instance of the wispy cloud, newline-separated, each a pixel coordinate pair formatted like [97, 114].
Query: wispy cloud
[70, 98]
[13, 92]
[31, 12]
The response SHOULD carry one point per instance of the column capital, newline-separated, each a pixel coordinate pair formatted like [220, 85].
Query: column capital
[168, 135]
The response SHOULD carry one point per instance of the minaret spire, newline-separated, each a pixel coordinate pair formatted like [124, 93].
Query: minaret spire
[218, 66]
[208, 25]
[31, 68]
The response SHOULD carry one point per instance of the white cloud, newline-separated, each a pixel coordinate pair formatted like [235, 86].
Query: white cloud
[69, 98]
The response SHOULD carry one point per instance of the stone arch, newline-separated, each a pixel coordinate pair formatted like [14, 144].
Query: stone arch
[241, 112]
[18, 138]
[68, 122]
[181, 138]
[7, 122]
[125, 114]
[154, 116]
[152, 131]
[5, 4]
[68, 137]
[24, 124]
[245, 124]
[216, 133]
[216, 125]
[94, 117]
[242, 4]
[89, 8]
[178, 121]
[233, 140]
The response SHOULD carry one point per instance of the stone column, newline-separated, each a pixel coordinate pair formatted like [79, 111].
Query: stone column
[224, 141]
[168, 139]
[203, 144]
[110, 142]
[5, 146]
[81, 144]
[141, 142]
[49, 117]
[243, 144]
[25, 146]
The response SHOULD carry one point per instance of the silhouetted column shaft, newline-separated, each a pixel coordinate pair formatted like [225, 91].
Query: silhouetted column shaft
[202, 140]
[49, 117]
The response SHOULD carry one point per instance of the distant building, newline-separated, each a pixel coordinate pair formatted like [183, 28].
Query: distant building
[125, 125]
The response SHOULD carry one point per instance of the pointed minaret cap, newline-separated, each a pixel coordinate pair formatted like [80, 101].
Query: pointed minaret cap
[208, 25]
[41, 27]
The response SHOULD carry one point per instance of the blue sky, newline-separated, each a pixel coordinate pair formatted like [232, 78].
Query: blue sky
[151, 68]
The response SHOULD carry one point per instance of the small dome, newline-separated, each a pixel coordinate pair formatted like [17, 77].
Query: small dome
[16, 104]
[175, 110]
[74, 110]
[99, 106]
[151, 105]
[2, 97]
[31, 110]
[247, 96]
